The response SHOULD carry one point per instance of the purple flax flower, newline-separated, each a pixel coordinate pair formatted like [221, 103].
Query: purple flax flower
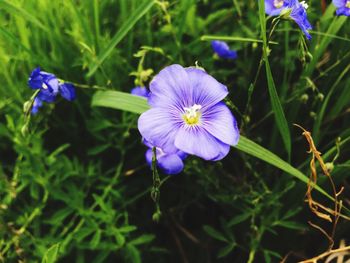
[171, 163]
[343, 7]
[292, 9]
[140, 91]
[188, 114]
[223, 50]
[275, 7]
[49, 87]
[299, 15]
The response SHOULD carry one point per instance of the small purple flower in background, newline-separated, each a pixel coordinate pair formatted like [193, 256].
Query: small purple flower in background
[294, 9]
[299, 15]
[275, 7]
[140, 91]
[169, 163]
[343, 7]
[49, 87]
[223, 50]
[187, 114]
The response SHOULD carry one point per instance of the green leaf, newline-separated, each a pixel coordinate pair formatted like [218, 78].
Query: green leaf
[214, 233]
[146, 238]
[120, 100]
[238, 219]
[277, 109]
[50, 255]
[226, 250]
[96, 239]
[289, 224]
[133, 254]
[126, 27]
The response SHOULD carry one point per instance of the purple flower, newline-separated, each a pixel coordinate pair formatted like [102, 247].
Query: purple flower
[49, 87]
[140, 91]
[343, 7]
[37, 104]
[275, 7]
[188, 114]
[169, 163]
[223, 50]
[291, 9]
[299, 15]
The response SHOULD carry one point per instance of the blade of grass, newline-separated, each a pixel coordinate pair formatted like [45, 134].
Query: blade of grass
[18, 11]
[254, 149]
[320, 115]
[275, 102]
[120, 101]
[237, 39]
[125, 28]
[319, 50]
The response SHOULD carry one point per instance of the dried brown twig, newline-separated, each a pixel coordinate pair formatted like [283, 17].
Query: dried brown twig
[321, 211]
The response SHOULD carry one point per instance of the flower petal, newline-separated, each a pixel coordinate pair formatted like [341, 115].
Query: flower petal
[47, 96]
[343, 11]
[223, 50]
[201, 143]
[52, 83]
[339, 3]
[207, 91]
[171, 86]
[140, 91]
[219, 122]
[169, 163]
[35, 80]
[159, 128]
[67, 91]
[37, 104]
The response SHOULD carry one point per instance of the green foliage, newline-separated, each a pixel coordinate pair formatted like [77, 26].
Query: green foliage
[75, 187]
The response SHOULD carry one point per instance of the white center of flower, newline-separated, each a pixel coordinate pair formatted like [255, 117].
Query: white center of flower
[347, 4]
[278, 3]
[44, 86]
[192, 114]
[305, 5]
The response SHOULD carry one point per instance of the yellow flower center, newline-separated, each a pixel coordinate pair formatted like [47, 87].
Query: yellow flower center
[192, 115]
[278, 3]
[347, 4]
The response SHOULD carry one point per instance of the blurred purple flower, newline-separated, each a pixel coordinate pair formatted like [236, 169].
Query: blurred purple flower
[299, 15]
[188, 114]
[292, 9]
[140, 91]
[343, 7]
[275, 7]
[223, 50]
[169, 163]
[49, 87]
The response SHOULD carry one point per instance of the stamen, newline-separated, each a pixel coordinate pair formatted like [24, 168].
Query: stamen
[44, 86]
[304, 4]
[278, 3]
[347, 4]
[192, 114]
